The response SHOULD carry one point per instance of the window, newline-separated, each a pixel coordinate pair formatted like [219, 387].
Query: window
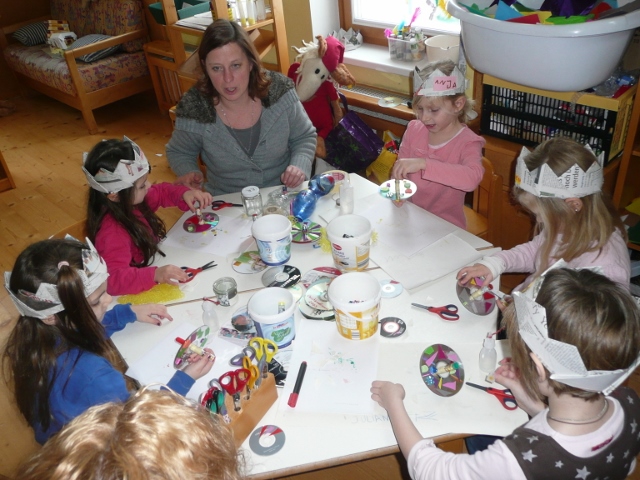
[381, 14]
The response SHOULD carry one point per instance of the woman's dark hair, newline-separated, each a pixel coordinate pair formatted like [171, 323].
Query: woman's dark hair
[33, 346]
[107, 154]
[221, 33]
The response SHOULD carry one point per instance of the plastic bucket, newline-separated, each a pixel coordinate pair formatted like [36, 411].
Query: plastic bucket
[350, 238]
[356, 297]
[443, 47]
[271, 324]
[273, 237]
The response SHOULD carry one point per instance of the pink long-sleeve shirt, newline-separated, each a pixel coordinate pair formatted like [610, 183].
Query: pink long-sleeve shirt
[453, 168]
[115, 245]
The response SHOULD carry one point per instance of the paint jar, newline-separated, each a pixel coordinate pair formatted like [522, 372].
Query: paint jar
[350, 238]
[273, 237]
[226, 290]
[356, 297]
[272, 311]
[252, 201]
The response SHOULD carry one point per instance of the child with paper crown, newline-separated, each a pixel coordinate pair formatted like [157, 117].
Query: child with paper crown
[59, 354]
[439, 153]
[560, 184]
[572, 347]
[121, 218]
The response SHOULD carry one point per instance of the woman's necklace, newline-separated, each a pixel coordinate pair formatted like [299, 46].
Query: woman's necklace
[586, 421]
[247, 148]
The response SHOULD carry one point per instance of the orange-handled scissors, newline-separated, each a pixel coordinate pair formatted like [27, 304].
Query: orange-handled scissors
[254, 374]
[505, 397]
[265, 350]
[446, 312]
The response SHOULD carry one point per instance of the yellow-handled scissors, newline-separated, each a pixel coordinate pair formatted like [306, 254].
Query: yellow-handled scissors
[265, 350]
[254, 374]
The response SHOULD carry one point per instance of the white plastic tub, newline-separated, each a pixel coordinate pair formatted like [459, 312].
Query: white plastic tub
[550, 57]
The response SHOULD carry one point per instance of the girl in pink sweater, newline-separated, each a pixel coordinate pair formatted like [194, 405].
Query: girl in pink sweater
[121, 219]
[439, 153]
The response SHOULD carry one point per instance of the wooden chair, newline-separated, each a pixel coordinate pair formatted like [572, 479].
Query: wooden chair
[484, 217]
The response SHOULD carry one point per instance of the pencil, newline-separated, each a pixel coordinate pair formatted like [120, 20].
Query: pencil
[293, 398]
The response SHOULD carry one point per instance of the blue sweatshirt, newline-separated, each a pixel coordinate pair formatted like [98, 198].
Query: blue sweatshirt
[84, 379]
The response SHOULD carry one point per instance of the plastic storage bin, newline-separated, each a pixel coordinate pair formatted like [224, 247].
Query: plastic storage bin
[197, 6]
[551, 57]
[406, 50]
[529, 116]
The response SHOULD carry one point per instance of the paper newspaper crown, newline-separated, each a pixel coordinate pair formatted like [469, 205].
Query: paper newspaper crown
[437, 84]
[561, 359]
[574, 183]
[46, 302]
[125, 174]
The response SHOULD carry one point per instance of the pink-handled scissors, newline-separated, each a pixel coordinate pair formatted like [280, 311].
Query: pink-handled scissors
[446, 312]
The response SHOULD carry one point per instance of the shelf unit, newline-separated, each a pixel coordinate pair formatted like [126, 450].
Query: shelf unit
[627, 185]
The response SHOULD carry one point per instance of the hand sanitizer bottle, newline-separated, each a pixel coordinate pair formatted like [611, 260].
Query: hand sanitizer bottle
[209, 316]
[488, 355]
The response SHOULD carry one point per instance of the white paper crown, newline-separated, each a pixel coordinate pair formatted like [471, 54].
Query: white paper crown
[562, 359]
[125, 174]
[46, 302]
[574, 183]
[437, 84]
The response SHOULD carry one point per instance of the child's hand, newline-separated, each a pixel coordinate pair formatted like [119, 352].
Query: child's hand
[405, 166]
[292, 177]
[387, 394]
[199, 365]
[192, 196]
[151, 313]
[170, 274]
[508, 375]
[477, 270]
[191, 180]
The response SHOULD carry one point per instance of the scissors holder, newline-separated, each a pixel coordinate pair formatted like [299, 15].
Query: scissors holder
[244, 421]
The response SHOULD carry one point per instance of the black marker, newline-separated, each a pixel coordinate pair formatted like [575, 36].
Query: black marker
[293, 398]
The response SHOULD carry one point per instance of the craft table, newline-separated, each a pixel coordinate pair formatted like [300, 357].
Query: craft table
[318, 440]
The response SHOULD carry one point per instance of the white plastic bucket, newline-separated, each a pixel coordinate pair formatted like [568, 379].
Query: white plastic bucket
[273, 237]
[350, 238]
[443, 47]
[271, 324]
[356, 297]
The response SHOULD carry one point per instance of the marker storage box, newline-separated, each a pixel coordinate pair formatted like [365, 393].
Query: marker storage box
[529, 116]
[406, 50]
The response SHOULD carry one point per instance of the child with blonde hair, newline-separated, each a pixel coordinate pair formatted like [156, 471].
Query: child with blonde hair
[576, 223]
[154, 435]
[121, 219]
[59, 353]
[439, 153]
[572, 347]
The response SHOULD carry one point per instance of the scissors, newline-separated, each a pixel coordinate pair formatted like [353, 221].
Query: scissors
[505, 397]
[192, 272]
[265, 350]
[254, 375]
[213, 399]
[220, 204]
[237, 360]
[233, 383]
[447, 312]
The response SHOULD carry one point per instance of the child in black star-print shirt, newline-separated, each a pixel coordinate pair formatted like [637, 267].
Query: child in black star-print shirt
[574, 433]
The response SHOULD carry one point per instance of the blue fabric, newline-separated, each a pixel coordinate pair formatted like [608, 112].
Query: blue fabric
[117, 318]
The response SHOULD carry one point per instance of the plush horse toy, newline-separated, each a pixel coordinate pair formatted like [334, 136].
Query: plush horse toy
[318, 65]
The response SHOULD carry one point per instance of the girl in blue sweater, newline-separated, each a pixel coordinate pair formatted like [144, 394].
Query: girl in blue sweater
[59, 352]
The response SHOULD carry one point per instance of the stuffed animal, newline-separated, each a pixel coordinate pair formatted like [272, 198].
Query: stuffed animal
[318, 65]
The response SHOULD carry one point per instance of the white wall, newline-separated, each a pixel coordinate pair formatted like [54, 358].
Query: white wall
[324, 17]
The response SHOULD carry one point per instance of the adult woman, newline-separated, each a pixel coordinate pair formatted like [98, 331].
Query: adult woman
[264, 136]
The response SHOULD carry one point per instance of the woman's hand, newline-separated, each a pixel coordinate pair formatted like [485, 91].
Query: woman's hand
[191, 180]
[477, 270]
[292, 177]
[387, 394]
[508, 375]
[192, 196]
[170, 274]
[405, 166]
[199, 365]
[151, 313]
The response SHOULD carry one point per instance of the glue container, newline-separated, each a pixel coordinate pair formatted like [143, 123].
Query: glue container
[209, 316]
[488, 355]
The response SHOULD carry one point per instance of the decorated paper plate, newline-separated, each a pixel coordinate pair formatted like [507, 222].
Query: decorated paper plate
[474, 300]
[199, 337]
[441, 370]
[305, 232]
[406, 189]
[193, 224]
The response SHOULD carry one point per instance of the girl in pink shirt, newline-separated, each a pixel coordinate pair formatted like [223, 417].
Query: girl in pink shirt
[121, 219]
[439, 153]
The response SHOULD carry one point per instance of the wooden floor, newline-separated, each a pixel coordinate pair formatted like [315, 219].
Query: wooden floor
[42, 144]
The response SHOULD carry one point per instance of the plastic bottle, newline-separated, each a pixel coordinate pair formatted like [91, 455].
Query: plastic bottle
[488, 355]
[305, 202]
[209, 316]
[346, 197]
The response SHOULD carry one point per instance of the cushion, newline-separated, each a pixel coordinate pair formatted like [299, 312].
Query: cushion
[32, 34]
[93, 56]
